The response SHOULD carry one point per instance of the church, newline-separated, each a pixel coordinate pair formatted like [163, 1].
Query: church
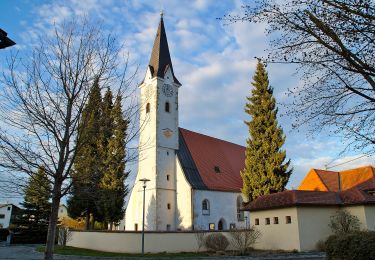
[193, 180]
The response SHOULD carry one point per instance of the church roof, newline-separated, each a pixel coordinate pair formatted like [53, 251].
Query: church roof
[160, 59]
[334, 181]
[210, 163]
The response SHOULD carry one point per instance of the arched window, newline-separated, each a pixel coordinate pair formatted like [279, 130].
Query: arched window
[148, 108]
[167, 109]
[205, 207]
[240, 214]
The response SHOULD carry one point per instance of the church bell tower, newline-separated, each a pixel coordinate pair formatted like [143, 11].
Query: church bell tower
[158, 143]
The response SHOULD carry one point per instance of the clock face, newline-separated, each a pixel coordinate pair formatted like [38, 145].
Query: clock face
[167, 90]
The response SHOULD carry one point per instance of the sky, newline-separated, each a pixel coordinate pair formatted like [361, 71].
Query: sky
[212, 59]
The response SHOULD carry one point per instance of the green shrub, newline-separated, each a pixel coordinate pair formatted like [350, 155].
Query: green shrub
[351, 246]
[216, 242]
[344, 222]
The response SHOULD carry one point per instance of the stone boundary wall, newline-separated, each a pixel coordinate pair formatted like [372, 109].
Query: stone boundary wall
[130, 242]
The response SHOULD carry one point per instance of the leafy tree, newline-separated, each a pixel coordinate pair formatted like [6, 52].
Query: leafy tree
[265, 170]
[332, 44]
[112, 186]
[36, 199]
[87, 166]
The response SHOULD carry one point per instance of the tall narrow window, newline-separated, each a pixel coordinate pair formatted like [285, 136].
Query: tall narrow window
[168, 206]
[148, 108]
[167, 108]
[205, 207]
[240, 213]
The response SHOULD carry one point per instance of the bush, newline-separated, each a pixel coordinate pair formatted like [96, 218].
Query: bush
[242, 240]
[216, 242]
[357, 245]
[321, 245]
[344, 222]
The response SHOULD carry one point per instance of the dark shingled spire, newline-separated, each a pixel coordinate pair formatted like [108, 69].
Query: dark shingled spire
[160, 58]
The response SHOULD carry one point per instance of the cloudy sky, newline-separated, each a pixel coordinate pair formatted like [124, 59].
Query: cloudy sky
[213, 61]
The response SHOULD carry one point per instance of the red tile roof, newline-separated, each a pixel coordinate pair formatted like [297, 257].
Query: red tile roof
[329, 180]
[291, 198]
[207, 153]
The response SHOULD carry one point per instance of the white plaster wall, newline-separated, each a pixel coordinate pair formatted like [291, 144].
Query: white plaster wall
[370, 216]
[359, 211]
[63, 211]
[223, 205]
[280, 236]
[6, 220]
[313, 225]
[130, 242]
[184, 219]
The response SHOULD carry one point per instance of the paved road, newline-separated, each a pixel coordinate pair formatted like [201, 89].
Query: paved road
[27, 252]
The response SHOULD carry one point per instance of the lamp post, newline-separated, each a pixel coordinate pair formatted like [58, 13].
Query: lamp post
[4, 40]
[246, 222]
[144, 180]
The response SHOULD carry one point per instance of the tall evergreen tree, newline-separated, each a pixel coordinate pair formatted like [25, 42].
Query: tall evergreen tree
[87, 173]
[36, 200]
[265, 167]
[112, 186]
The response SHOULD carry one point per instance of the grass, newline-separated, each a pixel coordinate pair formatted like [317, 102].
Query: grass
[68, 250]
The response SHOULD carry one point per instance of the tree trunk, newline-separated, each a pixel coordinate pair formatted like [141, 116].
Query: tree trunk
[87, 219]
[48, 254]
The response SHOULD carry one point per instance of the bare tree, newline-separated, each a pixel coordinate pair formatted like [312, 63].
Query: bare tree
[243, 239]
[332, 44]
[42, 100]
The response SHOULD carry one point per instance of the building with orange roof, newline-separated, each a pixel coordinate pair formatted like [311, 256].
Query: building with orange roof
[304, 214]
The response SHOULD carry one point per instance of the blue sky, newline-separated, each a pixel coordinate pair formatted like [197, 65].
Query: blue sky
[214, 62]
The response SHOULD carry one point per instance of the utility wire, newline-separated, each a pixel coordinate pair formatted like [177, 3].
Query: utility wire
[365, 155]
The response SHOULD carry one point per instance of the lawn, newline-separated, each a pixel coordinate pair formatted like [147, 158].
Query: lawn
[68, 250]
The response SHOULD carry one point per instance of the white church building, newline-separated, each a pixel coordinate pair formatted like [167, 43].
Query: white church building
[195, 179]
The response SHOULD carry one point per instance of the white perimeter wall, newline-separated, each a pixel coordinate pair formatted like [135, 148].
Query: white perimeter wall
[130, 242]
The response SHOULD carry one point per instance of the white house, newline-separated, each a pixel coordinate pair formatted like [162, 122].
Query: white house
[195, 179]
[7, 214]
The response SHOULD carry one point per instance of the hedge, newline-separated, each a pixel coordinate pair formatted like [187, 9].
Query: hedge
[357, 245]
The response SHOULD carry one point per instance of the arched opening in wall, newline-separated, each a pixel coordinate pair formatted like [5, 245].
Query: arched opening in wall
[148, 108]
[205, 207]
[240, 214]
[167, 107]
[221, 225]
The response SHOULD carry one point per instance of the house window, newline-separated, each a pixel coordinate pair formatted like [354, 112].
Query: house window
[268, 221]
[136, 227]
[2, 216]
[169, 205]
[275, 220]
[240, 214]
[8, 208]
[167, 153]
[217, 169]
[148, 108]
[167, 107]
[205, 207]
[167, 177]
[211, 226]
[257, 222]
[168, 227]
[232, 226]
[288, 219]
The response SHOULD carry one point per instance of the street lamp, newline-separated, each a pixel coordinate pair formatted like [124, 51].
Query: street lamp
[144, 180]
[4, 40]
[246, 222]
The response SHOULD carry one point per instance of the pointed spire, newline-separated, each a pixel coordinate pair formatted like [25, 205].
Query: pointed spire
[160, 58]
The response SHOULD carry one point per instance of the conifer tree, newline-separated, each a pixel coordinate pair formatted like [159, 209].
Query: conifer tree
[87, 174]
[265, 167]
[36, 200]
[112, 186]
